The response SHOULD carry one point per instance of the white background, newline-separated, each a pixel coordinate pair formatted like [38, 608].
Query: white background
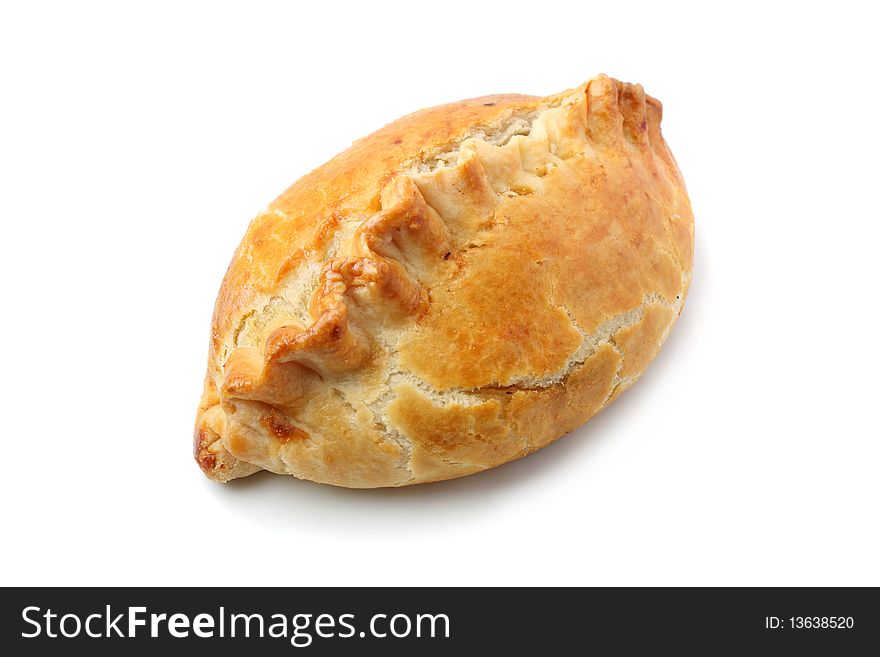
[137, 142]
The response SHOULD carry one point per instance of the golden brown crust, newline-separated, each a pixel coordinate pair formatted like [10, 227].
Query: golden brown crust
[454, 291]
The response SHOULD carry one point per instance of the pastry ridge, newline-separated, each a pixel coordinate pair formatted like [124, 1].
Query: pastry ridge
[456, 290]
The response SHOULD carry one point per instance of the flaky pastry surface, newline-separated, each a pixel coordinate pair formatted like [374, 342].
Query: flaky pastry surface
[454, 291]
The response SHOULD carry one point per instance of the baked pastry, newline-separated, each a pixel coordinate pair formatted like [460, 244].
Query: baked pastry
[454, 291]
